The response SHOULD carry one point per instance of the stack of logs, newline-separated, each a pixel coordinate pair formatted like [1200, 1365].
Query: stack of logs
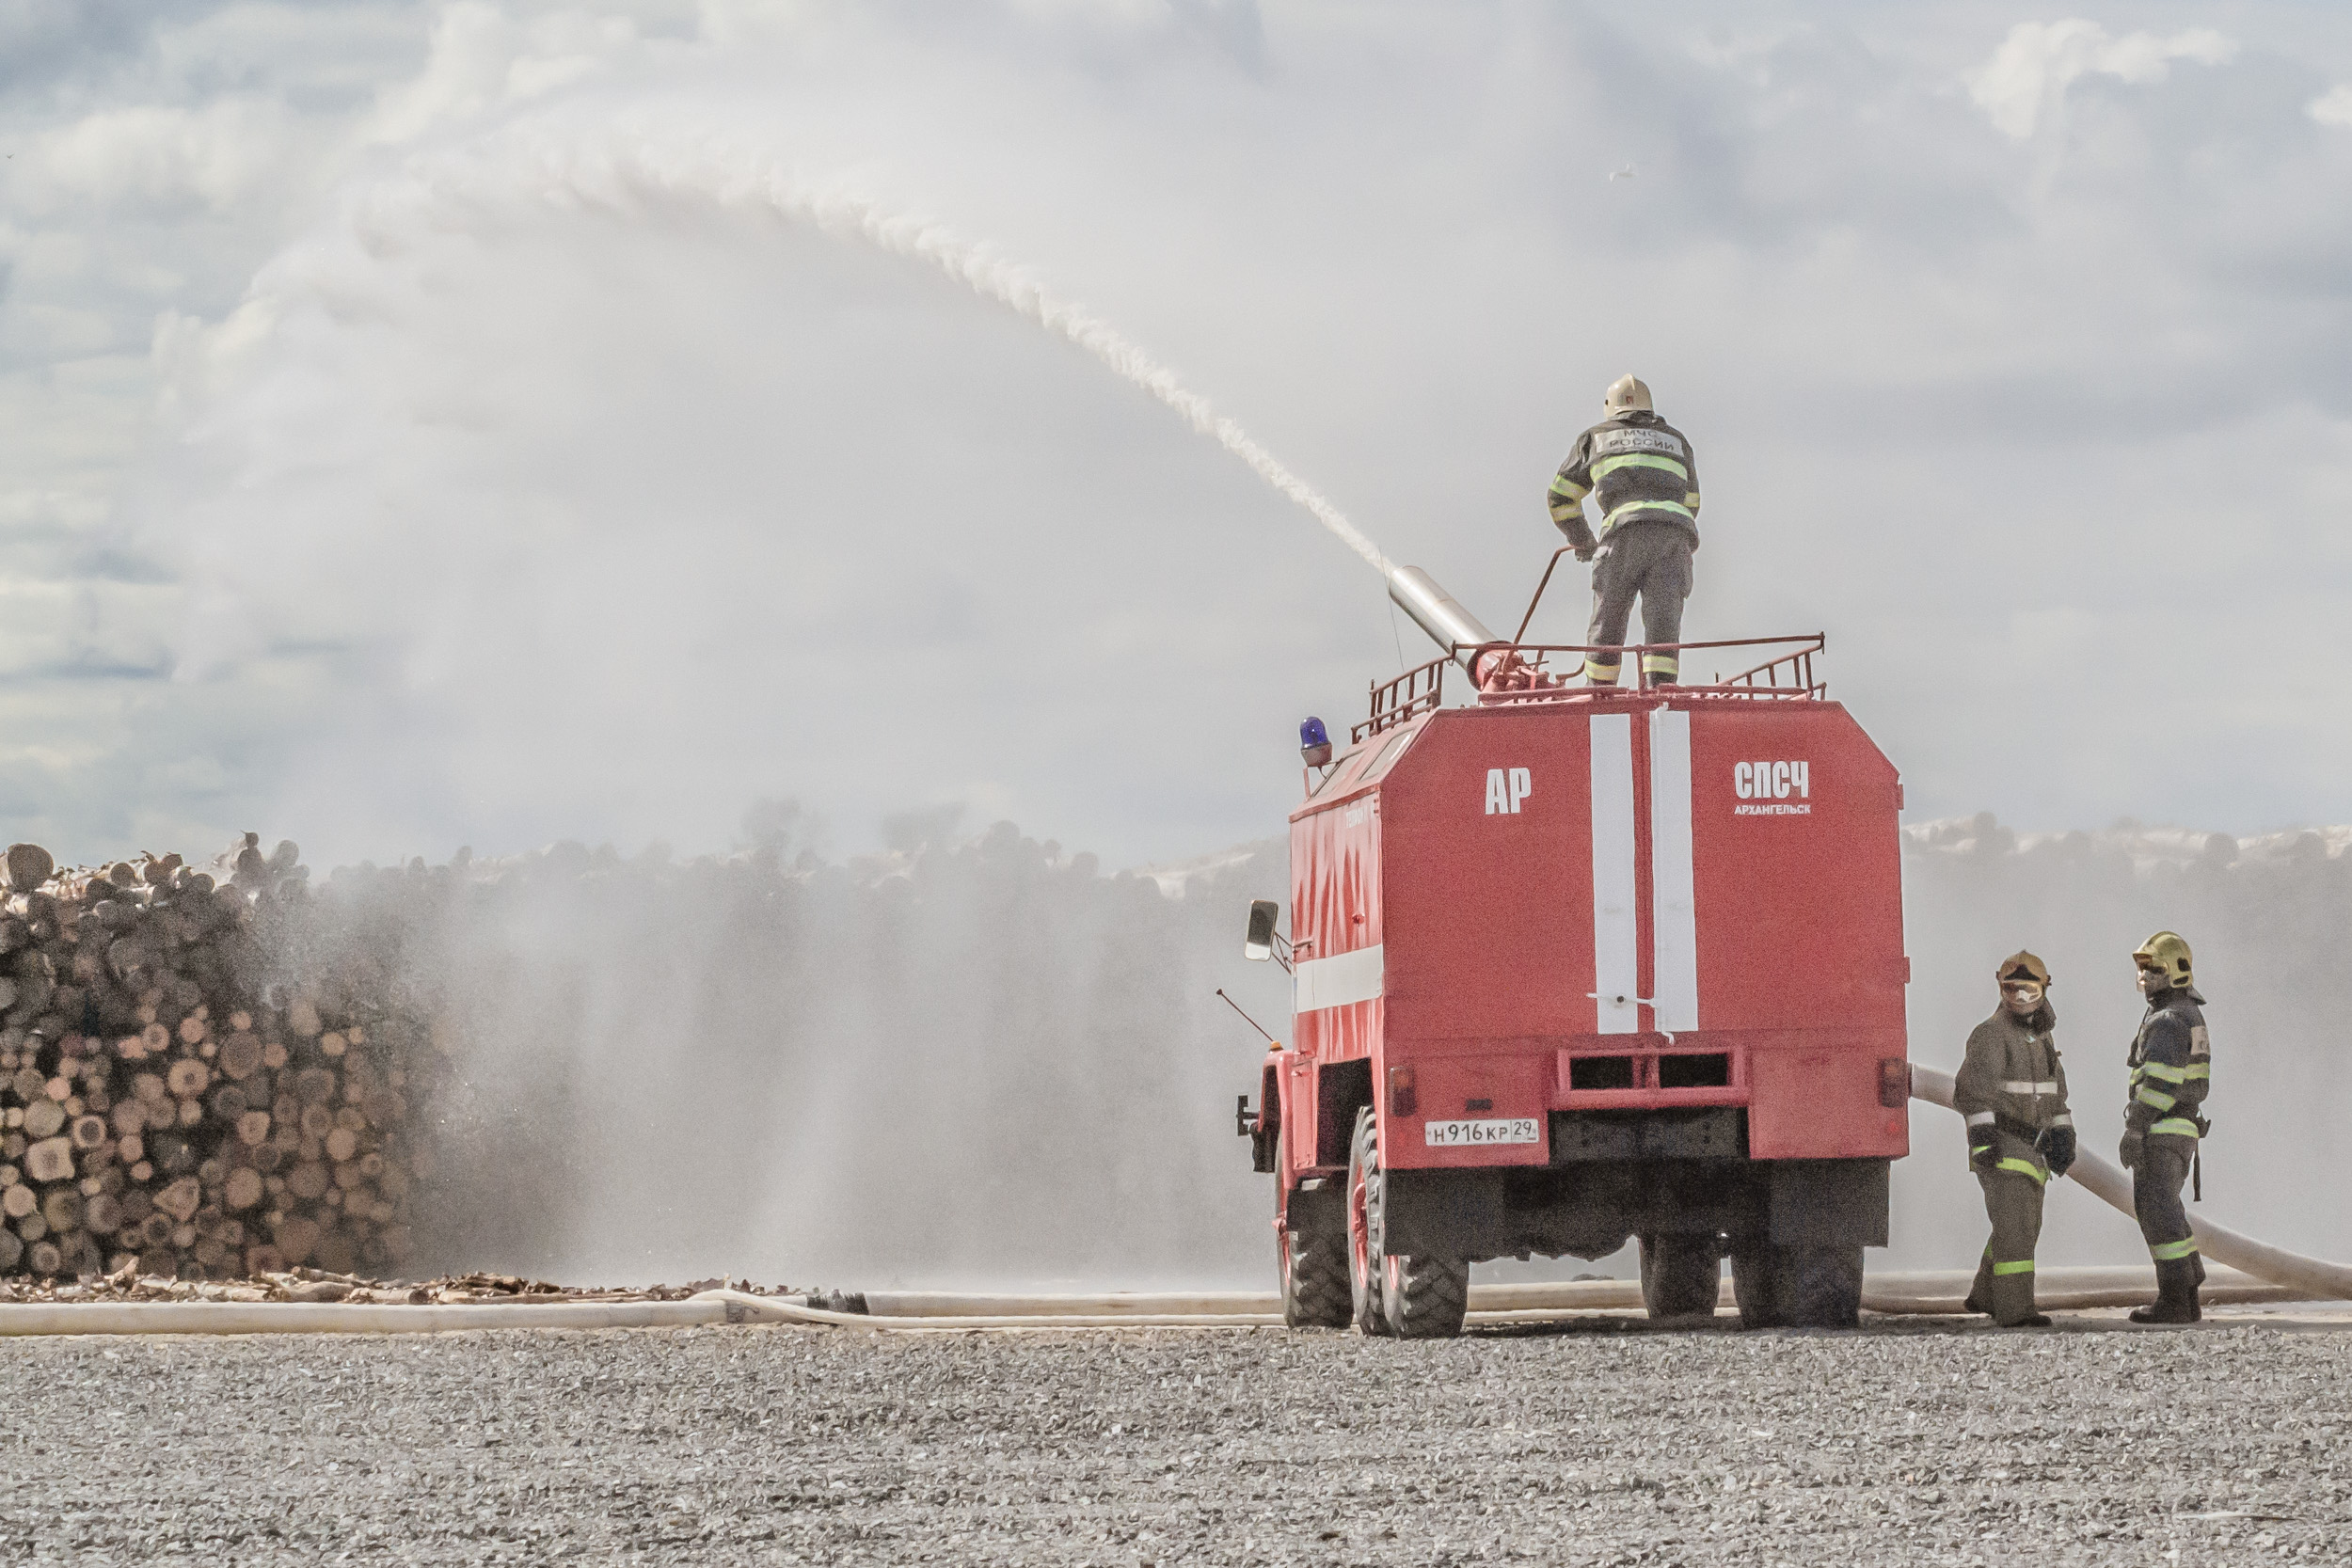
[173, 1102]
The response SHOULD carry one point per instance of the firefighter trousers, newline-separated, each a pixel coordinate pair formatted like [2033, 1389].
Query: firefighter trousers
[1647, 560]
[2156, 1180]
[2004, 1287]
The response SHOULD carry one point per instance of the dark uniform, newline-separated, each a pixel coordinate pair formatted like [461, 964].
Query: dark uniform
[2172, 1068]
[1644, 480]
[2012, 1090]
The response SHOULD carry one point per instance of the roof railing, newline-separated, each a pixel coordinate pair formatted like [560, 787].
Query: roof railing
[1787, 674]
[1416, 691]
[1525, 675]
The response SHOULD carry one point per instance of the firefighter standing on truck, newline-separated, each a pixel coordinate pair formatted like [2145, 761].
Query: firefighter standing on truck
[2013, 1091]
[2171, 1067]
[1645, 482]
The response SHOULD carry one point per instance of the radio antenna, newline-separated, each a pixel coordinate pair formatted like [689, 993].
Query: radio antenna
[1244, 1017]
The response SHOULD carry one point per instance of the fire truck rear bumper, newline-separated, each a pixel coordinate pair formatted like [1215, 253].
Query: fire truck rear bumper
[1590, 1206]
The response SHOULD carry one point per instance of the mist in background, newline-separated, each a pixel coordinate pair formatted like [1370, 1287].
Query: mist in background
[970, 1059]
[974, 1059]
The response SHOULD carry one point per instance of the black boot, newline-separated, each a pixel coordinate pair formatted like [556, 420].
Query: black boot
[2176, 1294]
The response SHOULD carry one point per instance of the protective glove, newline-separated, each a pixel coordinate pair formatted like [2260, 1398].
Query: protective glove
[1586, 552]
[2127, 1152]
[2057, 1146]
[1984, 1155]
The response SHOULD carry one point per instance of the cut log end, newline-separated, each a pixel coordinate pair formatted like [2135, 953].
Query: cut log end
[50, 1160]
[243, 1189]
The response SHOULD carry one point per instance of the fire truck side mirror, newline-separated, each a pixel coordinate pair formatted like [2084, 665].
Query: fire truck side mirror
[1258, 945]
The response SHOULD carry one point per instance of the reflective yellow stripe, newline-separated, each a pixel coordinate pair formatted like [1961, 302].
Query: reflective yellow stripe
[2025, 1267]
[1660, 664]
[1570, 489]
[1608, 466]
[2176, 1127]
[2172, 1252]
[2158, 1098]
[2169, 1074]
[1678, 511]
[1599, 674]
[1691, 499]
[2023, 1167]
[2196, 1069]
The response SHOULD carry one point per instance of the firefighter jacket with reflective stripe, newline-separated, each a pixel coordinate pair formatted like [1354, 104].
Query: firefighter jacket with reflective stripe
[2013, 1086]
[1637, 468]
[2172, 1063]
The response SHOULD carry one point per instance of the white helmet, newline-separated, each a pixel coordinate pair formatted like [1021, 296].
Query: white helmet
[1628, 394]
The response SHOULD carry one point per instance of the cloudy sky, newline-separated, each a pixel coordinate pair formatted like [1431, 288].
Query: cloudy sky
[430, 425]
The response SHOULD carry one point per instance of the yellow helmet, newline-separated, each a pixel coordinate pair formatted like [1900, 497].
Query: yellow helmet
[2168, 955]
[2022, 965]
[1628, 394]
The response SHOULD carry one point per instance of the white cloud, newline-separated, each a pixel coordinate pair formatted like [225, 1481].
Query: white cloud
[2334, 107]
[160, 158]
[2031, 71]
[485, 60]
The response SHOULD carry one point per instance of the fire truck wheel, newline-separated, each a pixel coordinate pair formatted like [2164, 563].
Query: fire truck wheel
[1365, 1264]
[1681, 1276]
[1425, 1297]
[1759, 1281]
[1823, 1285]
[1312, 1251]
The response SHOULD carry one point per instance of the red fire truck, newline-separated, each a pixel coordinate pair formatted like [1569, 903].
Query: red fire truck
[1575, 965]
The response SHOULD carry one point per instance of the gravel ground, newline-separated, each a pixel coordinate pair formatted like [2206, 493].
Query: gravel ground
[1595, 1442]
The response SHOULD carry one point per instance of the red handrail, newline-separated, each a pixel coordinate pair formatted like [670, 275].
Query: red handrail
[1787, 675]
[1526, 677]
[1416, 691]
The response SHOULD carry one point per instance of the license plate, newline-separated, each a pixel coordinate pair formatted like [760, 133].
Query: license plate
[1462, 1134]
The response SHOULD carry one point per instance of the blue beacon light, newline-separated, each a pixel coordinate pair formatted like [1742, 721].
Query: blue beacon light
[1314, 743]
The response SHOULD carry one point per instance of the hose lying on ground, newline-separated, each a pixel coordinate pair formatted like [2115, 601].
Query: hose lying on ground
[1929, 1293]
[2307, 1278]
[943, 1312]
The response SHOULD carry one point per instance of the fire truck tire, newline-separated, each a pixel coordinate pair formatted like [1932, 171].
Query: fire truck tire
[1681, 1276]
[1759, 1281]
[1365, 1264]
[1313, 1255]
[1425, 1297]
[1823, 1286]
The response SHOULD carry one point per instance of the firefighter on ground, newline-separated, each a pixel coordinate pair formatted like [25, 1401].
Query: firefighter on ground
[1644, 483]
[2172, 1065]
[2013, 1091]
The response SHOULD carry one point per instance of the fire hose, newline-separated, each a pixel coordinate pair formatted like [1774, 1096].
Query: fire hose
[2259, 1272]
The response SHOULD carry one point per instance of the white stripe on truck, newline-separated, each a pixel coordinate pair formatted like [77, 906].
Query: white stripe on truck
[1616, 953]
[1674, 918]
[1336, 981]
